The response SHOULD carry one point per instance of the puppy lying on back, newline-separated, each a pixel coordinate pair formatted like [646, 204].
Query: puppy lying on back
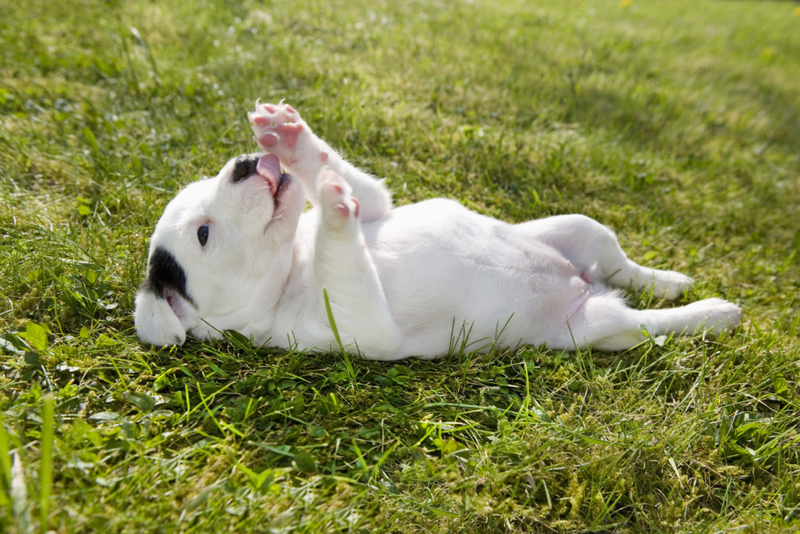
[237, 252]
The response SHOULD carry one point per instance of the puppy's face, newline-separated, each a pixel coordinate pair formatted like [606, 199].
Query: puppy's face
[221, 252]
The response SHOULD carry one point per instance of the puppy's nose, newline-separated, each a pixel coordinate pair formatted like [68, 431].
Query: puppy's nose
[245, 166]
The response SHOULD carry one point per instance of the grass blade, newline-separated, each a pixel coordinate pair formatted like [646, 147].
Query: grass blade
[350, 371]
[46, 461]
[330, 318]
[5, 465]
[19, 496]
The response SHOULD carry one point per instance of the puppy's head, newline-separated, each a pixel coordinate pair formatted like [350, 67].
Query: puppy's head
[220, 254]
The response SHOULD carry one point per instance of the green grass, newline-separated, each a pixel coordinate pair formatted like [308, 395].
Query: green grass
[676, 123]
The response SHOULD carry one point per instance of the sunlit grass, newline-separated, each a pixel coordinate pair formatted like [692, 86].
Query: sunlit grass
[675, 123]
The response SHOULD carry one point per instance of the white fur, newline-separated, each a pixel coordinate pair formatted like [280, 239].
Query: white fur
[402, 282]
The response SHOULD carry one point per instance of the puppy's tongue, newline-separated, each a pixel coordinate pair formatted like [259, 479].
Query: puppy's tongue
[270, 168]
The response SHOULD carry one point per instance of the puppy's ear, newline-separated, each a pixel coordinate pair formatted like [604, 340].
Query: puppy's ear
[164, 310]
[156, 320]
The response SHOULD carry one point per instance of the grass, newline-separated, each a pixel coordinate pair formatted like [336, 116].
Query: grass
[675, 123]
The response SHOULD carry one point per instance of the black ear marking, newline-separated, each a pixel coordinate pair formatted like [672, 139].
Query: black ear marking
[164, 274]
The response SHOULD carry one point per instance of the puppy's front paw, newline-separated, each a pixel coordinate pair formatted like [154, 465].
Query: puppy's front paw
[339, 206]
[278, 128]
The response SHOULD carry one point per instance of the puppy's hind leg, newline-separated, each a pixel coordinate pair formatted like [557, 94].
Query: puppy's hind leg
[587, 243]
[604, 322]
[343, 265]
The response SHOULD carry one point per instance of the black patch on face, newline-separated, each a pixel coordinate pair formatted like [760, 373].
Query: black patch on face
[164, 272]
[244, 167]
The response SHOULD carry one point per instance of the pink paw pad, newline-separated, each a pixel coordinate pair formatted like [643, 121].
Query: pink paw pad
[275, 124]
[341, 207]
[342, 210]
[268, 139]
[290, 133]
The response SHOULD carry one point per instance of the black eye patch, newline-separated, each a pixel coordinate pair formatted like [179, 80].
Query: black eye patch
[244, 167]
[202, 235]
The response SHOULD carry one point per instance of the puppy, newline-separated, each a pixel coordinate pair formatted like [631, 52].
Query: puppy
[237, 252]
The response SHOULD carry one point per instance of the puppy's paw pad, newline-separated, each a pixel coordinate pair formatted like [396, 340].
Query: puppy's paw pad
[336, 196]
[332, 188]
[344, 210]
[276, 124]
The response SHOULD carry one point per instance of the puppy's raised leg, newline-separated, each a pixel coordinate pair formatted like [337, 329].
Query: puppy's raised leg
[589, 244]
[604, 322]
[280, 130]
[343, 265]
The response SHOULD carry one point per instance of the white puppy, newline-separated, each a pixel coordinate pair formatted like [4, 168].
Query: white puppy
[237, 252]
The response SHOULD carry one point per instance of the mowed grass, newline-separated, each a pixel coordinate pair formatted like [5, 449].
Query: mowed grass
[675, 123]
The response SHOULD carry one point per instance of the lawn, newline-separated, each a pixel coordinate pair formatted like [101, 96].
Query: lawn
[675, 123]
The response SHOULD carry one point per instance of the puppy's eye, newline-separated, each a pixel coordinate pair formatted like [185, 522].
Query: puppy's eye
[202, 235]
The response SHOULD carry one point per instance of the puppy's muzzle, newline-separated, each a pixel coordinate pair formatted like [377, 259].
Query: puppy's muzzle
[267, 167]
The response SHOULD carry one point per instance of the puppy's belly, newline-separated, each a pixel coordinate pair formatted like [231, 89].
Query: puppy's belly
[442, 266]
